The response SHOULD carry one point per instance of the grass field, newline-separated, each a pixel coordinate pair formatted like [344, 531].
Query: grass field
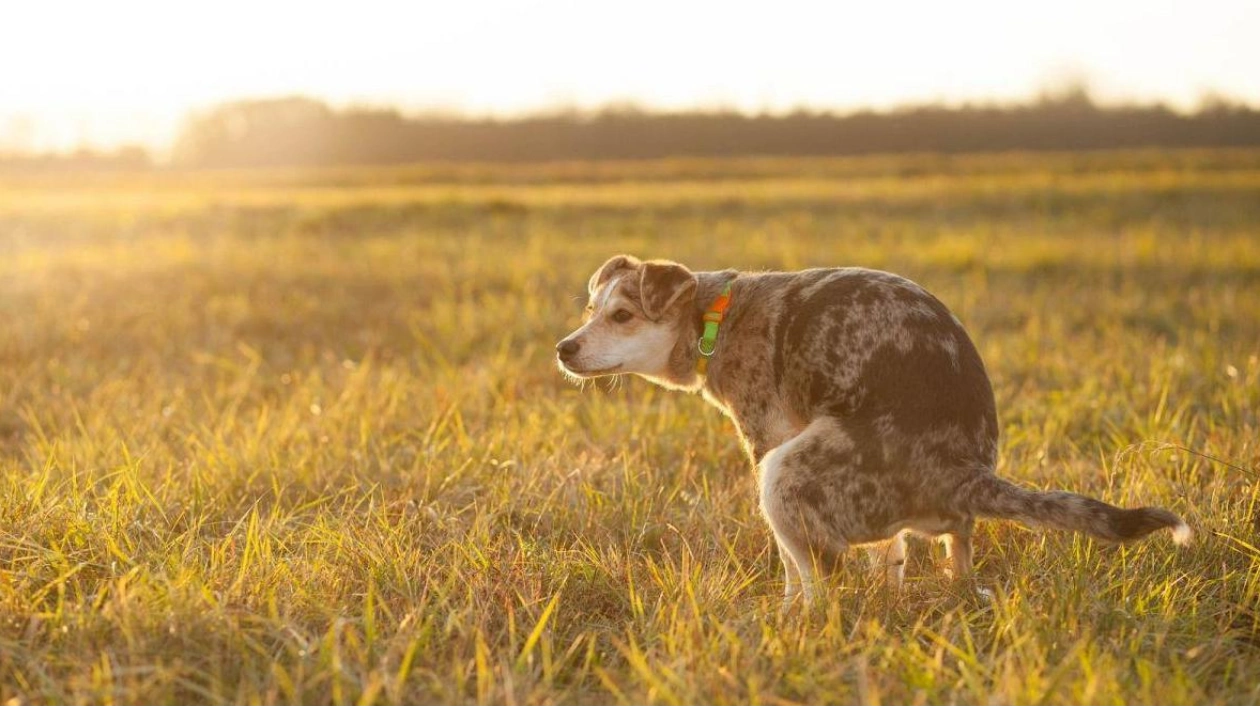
[298, 437]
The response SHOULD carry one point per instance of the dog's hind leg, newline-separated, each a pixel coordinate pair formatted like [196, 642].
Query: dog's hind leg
[958, 550]
[890, 560]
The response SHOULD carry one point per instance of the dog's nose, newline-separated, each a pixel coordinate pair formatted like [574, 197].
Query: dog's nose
[567, 348]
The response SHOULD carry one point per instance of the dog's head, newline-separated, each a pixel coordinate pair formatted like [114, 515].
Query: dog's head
[633, 319]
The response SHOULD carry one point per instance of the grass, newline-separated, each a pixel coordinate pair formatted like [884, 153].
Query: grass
[297, 437]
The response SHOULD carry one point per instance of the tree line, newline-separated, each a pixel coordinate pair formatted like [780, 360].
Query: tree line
[300, 132]
[294, 132]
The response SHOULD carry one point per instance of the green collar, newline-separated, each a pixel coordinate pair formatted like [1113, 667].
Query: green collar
[712, 318]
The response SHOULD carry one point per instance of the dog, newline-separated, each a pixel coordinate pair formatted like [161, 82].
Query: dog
[858, 396]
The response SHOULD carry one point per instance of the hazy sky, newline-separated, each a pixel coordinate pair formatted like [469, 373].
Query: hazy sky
[125, 70]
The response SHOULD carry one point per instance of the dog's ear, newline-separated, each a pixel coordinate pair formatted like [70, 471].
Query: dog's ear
[611, 266]
[662, 284]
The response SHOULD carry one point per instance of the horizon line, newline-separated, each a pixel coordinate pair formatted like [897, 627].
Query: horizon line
[1080, 92]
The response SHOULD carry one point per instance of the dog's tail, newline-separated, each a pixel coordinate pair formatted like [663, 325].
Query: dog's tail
[987, 495]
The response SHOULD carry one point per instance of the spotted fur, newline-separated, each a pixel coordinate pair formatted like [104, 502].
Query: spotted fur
[858, 396]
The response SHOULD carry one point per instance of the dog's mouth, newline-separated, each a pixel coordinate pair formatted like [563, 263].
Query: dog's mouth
[590, 372]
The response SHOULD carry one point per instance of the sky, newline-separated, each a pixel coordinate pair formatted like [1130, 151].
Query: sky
[101, 74]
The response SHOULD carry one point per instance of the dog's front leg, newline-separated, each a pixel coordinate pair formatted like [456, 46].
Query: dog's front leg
[796, 478]
[791, 576]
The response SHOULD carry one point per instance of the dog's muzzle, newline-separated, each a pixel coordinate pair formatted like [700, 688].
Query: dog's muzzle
[567, 349]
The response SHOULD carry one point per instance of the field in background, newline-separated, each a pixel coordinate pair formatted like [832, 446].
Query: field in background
[298, 436]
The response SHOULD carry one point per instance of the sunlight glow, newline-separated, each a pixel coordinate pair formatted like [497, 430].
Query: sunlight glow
[102, 74]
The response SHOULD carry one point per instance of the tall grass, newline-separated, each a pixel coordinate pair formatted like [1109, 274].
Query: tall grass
[297, 437]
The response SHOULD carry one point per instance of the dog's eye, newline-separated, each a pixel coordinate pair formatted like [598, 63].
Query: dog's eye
[621, 316]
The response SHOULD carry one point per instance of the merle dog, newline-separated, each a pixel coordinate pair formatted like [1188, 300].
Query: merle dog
[858, 396]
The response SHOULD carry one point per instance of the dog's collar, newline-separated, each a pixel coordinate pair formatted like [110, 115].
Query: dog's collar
[712, 318]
